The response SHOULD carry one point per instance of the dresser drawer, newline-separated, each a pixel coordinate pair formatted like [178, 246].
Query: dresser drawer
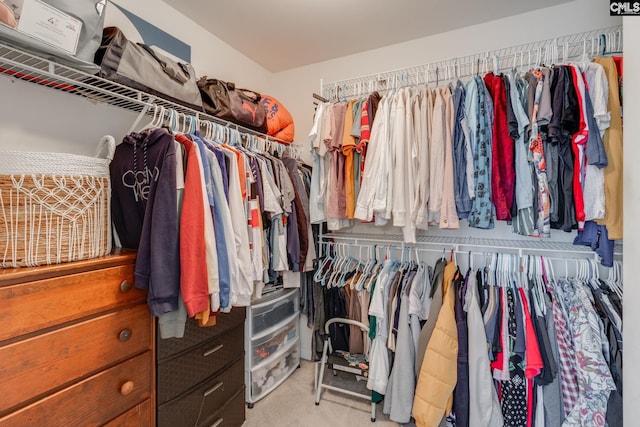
[205, 400]
[94, 401]
[36, 365]
[139, 416]
[31, 306]
[180, 373]
[231, 415]
[273, 310]
[194, 334]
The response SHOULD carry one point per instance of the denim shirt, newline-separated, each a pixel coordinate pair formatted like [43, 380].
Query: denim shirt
[463, 201]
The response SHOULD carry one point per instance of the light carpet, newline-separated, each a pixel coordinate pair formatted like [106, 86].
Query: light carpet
[292, 404]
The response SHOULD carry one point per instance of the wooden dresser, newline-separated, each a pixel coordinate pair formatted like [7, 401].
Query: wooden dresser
[76, 346]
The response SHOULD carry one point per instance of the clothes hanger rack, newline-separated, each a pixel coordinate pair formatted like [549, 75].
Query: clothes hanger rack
[498, 260]
[602, 41]
[232, 134]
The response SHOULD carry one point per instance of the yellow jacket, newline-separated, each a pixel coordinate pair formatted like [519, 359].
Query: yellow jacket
[438, 373]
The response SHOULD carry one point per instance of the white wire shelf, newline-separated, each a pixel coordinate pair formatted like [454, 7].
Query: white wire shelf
[569, 47]
[461, 244]
[18, 64]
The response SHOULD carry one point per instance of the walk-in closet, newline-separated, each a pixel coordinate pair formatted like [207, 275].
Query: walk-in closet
[309, 214]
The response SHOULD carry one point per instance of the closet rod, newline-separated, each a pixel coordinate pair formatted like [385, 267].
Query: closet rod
[563, 261]
[570, 46]
[182, 122]
[521, 247]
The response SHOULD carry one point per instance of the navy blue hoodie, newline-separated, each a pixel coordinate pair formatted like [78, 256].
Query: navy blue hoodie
[144, 212]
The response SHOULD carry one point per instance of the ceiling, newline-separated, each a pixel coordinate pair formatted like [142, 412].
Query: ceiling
[284, 34]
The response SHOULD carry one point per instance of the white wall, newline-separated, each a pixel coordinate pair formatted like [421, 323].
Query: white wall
[295, 87]
[39, 119]
[631, 227]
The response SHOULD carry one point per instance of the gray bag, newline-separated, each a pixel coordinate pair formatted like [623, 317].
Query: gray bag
[89, 12]
[138, 66]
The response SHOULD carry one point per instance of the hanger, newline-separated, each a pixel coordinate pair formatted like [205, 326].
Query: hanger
[317, 277]
[157, 115]
[341, 281]
[505, 267]
[537, 291]
[366, 268]
[327, 266]
[182, 123]
[334, 267]
[490, 268]
[172, 120]
[615, 278]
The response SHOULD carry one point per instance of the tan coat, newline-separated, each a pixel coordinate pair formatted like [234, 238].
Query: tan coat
[612, 141]
[438, 374]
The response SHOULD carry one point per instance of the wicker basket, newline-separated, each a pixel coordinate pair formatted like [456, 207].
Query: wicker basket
[54, 207]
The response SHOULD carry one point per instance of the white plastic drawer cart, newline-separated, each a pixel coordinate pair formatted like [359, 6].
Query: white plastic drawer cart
[273, 342]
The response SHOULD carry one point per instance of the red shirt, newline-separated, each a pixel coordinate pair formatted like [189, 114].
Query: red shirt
[193, 270]
[533, 359]
[503, 174]
[579, 138]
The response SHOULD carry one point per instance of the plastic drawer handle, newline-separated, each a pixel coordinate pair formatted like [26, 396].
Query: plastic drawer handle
[125, 286]
[214, 388]
[213, 350]
[217, 423]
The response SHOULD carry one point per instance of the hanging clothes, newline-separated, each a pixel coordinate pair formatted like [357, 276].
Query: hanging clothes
[536, 147]
[463, 165]
[524, 220]
[480, 111]
[484, 407]
[502, 150]
[612, 140]
[424, 123]
[437, 376]
[448, 214]
[143, 174]
[594, 378]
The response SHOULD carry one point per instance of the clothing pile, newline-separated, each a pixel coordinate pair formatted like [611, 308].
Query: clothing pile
[210, 221]
[541, 150]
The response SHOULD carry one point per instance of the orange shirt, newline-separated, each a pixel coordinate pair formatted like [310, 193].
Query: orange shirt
[193, 271]
[348, 148]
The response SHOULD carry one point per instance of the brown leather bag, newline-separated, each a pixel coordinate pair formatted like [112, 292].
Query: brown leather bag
[241, 106]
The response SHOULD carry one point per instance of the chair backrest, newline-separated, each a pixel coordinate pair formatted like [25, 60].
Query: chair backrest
[346, 322]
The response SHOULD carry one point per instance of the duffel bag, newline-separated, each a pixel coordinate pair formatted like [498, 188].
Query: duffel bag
[241, 106]
[139, 66]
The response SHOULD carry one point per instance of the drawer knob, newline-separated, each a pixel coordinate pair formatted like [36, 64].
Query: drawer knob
[126, 388]
[125, 286]
[125, 334]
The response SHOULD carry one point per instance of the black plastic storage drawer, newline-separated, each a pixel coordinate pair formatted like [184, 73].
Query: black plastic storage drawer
[194, 334]
[204, 401]
[177, 374]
